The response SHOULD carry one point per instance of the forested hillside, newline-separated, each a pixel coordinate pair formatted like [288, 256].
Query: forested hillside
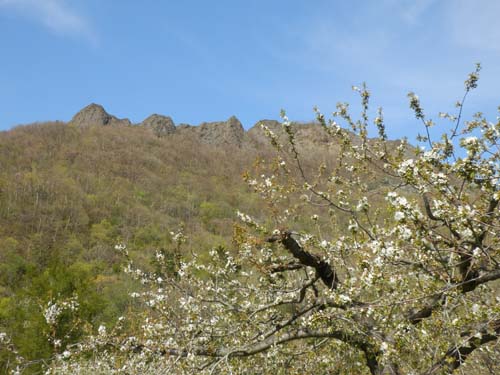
[69, 193]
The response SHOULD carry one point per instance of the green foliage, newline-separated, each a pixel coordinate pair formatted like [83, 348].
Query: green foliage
[69, 195]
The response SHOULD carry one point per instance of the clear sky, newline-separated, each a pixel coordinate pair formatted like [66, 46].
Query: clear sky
[201, 60]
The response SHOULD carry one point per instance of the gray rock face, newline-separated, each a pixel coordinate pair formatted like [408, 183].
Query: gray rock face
[306, 134]
[95, 114]
[161, 125]
[228, 132]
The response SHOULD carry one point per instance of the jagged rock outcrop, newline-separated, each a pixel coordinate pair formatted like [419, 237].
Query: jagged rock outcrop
[220, 133]
[305, 133]
[95, 114]
[161, 125]
[274, 125]
[256, 133]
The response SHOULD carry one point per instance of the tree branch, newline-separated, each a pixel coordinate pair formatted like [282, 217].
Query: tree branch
[291, 266]
[370, 351]
[457, 354]
[431, 216]
[435, 301]
[416, 317]
[325, 271]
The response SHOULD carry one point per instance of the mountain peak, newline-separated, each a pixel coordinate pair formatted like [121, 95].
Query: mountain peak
[95, 114]
[161, 125]
[222, 132]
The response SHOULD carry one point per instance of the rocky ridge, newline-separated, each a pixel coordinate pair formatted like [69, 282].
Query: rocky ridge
[219, 133]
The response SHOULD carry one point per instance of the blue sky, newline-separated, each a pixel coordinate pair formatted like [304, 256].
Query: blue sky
[199, 60]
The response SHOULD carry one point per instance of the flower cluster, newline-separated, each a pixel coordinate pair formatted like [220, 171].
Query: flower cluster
[55, 308]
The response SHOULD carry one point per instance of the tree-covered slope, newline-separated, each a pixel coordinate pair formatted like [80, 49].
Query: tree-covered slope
[70, 192]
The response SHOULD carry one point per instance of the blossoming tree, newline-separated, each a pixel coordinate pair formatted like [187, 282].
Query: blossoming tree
[396, 277]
